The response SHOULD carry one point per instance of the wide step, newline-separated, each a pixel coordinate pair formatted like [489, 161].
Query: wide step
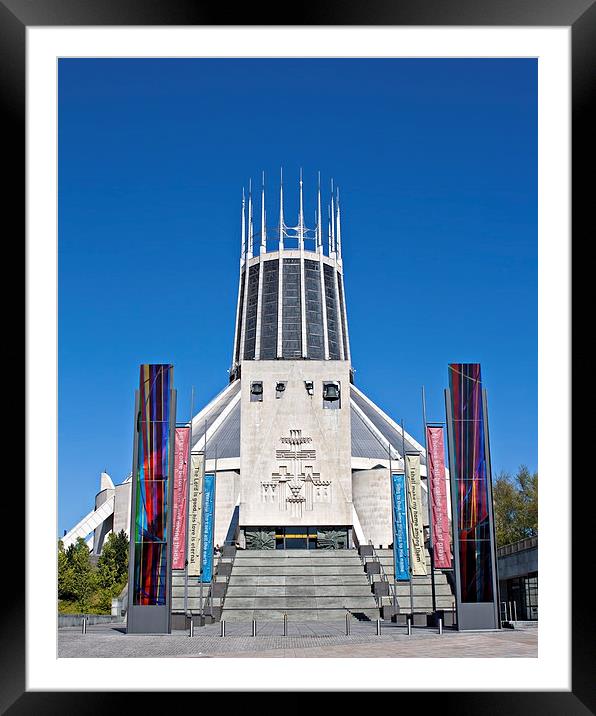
[304, 584]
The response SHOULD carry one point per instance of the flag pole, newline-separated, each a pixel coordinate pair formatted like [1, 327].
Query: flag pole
[212, 580]
[407, 484]
[430, 508]
[394, 600]
[201, 525]
[189, 459]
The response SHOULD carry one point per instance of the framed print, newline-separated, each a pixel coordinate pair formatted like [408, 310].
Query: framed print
[56, 50]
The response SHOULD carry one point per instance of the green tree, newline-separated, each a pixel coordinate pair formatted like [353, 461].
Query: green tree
[112, 566]
[516, 506]
[82, 582]
[85, 588]
[64, 574]
[527, 485]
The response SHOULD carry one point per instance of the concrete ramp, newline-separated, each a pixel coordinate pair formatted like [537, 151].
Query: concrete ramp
[89, 523]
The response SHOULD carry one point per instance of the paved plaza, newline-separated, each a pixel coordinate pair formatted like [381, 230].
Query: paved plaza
[304, 639]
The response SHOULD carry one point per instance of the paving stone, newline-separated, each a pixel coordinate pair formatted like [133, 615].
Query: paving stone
[313, 639]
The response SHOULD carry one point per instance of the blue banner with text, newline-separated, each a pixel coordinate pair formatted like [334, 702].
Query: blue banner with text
[207, 520]
[401, 555]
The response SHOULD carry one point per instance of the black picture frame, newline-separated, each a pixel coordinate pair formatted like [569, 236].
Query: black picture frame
[580, 15]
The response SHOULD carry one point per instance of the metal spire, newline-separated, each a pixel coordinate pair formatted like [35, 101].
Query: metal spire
[263, 222]
[332, 219]
[329, 242]
[338, 227]
[301, 216]
[243, 247]
[281, 209]
[319, 218]
[250, 234]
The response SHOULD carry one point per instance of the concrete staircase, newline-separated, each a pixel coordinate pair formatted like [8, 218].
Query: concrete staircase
[421, 587]
[304, 584]
[211, 605]
[212, 595]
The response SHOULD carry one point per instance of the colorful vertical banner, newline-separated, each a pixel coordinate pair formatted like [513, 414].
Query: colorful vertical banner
[151, 485]
[472, 518]
[179, 500]
[195, 504]
[401, 555]
[437, 488]
[418, 555]
[207, 525]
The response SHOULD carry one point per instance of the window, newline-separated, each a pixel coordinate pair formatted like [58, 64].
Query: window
[291, 310]
[314, 310]
[332, 313]
[269, 310]
[251, 312]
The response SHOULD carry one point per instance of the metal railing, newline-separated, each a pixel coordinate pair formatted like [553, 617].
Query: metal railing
[226, 580]
[519, 546]
[384, 578]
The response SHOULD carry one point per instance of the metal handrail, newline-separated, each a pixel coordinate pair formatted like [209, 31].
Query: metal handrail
[209, 598]
[385, 577]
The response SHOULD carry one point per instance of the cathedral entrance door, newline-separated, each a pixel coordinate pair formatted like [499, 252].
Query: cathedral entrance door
[296, 538]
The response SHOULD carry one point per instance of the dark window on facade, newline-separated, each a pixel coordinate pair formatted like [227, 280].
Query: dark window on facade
[269, 310]
[252, 299]
[343, 314]
[314, 310]
[239, 334]
[332, 312]
[291, 310]
[520, 596]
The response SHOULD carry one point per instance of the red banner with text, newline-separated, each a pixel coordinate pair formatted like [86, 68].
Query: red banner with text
[181, 451]
[438, 495]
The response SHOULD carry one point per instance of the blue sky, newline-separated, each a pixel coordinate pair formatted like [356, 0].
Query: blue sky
[436, 161]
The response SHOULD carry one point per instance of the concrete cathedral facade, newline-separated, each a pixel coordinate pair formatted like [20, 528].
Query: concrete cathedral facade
[301, 454]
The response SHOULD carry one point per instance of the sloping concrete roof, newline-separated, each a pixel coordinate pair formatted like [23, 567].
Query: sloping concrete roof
[364, 443]
[208, 418]
[389, 431]
[225, 442]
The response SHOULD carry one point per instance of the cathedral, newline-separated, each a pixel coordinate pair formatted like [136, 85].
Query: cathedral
[300, 455]
[300, 452]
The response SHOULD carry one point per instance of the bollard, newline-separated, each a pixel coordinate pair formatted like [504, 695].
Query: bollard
[378, 627]
[254, 627]
[285, 625]
[191, 628]
[223, 628]
[84, 626]
[409, 627]
[440, 625]
[347, 624]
